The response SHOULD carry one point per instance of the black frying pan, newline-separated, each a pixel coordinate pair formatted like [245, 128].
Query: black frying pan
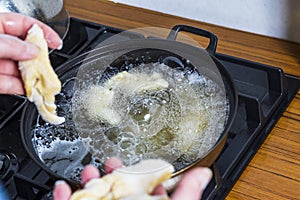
[168, 51]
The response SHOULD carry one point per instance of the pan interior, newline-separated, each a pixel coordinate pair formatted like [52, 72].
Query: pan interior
[178, 114]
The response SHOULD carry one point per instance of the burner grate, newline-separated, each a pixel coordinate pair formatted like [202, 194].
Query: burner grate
[264, 93]
[258, 111]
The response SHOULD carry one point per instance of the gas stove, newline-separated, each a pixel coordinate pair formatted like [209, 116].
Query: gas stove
[264, 92]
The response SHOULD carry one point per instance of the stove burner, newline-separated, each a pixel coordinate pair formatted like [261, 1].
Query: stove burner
[9, 105]
[8, 166]
[264, 93]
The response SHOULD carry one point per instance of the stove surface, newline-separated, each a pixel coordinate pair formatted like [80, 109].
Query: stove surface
[264, 92]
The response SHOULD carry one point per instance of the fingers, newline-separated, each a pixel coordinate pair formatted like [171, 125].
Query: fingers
[112, 164]
[159, 190]
[11, 85]
[89, 172]
[15, 49]
[10, 81]
[61, 191]
[18, 25]
[9, 67]
[192, 184]
[190, 187]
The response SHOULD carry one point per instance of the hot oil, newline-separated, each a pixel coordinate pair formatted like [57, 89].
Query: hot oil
[60, 147]
[178, 122]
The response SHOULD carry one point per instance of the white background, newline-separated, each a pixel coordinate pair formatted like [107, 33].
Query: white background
[275, 18]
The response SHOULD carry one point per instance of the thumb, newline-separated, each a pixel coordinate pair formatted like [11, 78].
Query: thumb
[192, 184]
[16, 49]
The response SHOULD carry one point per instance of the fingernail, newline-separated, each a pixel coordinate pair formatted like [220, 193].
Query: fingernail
[54, 42]
[205, 175]
[60, 46]
[60, 182]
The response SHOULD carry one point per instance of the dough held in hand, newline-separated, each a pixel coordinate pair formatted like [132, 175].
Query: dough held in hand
[134, 182]
[40, 81]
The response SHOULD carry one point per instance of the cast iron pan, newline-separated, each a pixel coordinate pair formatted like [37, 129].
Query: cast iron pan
[168, 51]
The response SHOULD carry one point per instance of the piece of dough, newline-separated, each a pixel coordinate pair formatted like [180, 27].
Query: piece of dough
[40, 81]
[130, 83]
[135, 182]
[99, 99]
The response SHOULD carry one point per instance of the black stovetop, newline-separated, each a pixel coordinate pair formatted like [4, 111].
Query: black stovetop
[263, 94]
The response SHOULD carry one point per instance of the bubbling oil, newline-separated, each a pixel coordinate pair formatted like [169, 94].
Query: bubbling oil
[178, 117]
[182, 119]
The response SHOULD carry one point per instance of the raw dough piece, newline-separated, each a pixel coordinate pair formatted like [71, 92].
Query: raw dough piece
[135, 182]
[40, 81]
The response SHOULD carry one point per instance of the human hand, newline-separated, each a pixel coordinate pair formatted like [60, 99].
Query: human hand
[190, 186]
[13, 30]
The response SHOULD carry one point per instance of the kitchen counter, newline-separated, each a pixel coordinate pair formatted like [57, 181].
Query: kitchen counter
[274, 172]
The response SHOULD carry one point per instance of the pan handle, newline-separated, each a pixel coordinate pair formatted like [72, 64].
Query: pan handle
[213, 40]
